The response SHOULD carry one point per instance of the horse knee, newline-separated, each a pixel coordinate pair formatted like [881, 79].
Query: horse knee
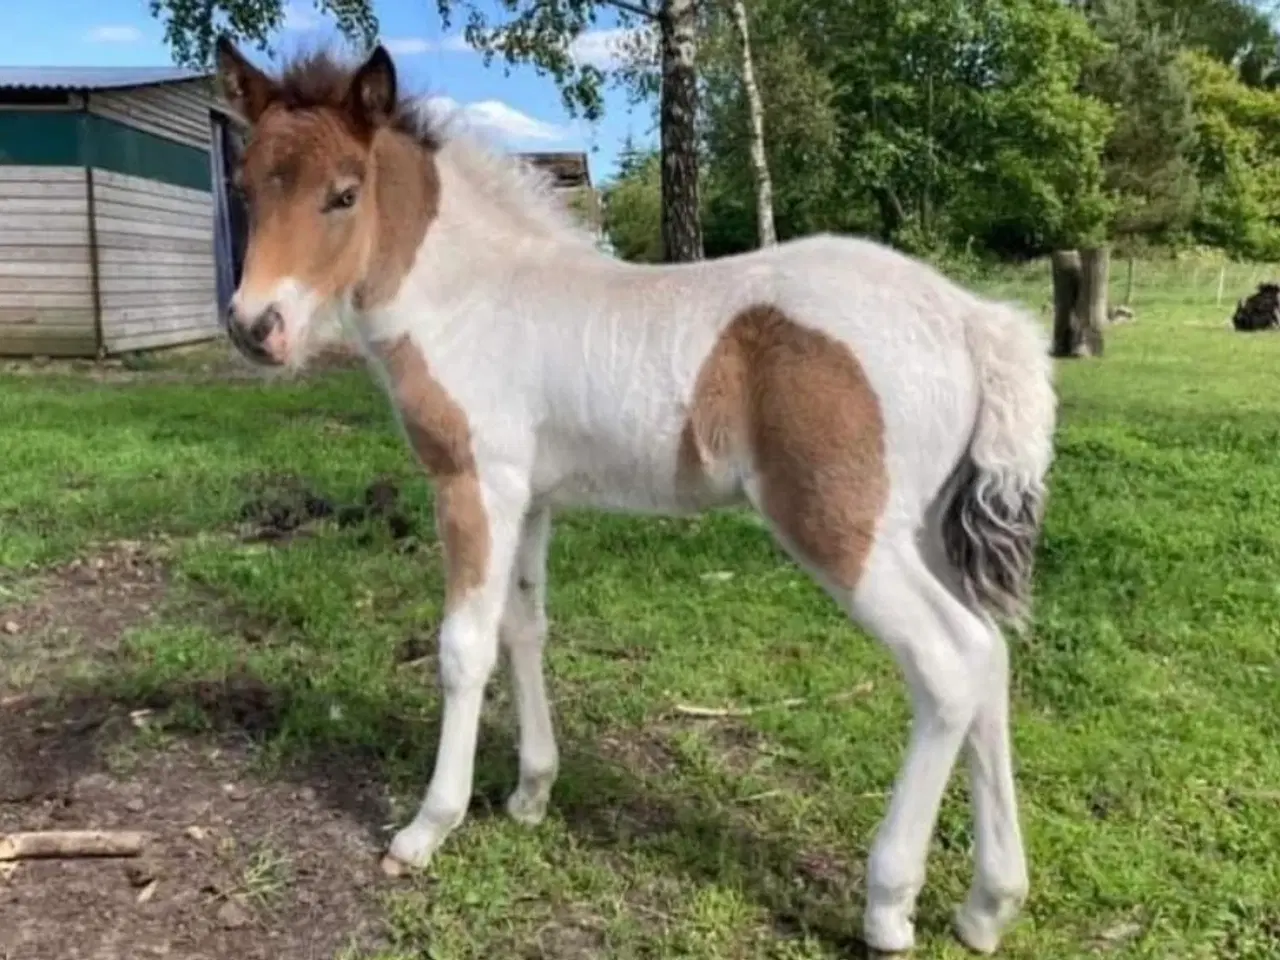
[467, 656]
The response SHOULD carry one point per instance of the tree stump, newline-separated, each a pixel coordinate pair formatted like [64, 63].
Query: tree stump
[1066, 291]
[1095, 278]
[1080, 281]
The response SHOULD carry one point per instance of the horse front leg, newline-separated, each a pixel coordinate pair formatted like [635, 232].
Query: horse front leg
[480, 526]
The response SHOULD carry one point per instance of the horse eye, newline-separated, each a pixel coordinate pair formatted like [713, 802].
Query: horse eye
[343, 200]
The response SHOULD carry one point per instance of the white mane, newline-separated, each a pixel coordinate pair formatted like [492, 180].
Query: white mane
[519, 191]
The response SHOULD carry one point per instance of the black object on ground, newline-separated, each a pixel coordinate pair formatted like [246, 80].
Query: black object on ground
[1259, 311]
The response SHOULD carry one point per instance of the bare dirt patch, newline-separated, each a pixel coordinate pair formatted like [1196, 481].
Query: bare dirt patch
[76, 613]
[235, 866]
[207, 362]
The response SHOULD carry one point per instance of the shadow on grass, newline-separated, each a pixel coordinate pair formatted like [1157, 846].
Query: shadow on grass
[47, 745]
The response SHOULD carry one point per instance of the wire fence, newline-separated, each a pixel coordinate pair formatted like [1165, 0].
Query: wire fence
[1170, 281]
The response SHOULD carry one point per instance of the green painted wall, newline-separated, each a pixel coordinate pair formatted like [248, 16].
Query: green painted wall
[76, 139]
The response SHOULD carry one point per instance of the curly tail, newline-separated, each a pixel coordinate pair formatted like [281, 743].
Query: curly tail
[992, 524]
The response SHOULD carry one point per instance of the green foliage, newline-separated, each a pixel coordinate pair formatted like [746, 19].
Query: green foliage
[192, 26]
[1005, 127]
[966, 121]
[933, 125]
[1237, 159]
[541, 33]
[1147, 159]
[803, 140]
[633, 208]
[1236, 32]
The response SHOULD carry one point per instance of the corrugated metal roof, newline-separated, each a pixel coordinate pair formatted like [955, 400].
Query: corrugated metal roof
[90, 78]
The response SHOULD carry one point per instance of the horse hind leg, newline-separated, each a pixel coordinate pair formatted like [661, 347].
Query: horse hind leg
[1000, 869]
[948, 656]
[795, 410]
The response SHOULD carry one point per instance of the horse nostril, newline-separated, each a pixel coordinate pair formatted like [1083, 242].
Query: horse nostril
[261, 328]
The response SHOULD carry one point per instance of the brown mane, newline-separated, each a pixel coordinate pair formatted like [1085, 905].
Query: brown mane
[320, 80]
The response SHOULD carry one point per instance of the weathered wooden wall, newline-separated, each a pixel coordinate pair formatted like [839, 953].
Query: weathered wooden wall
[46, 273]
[155, 256]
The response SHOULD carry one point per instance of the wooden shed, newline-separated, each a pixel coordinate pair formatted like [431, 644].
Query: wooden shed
[571, 178]
[106, 210]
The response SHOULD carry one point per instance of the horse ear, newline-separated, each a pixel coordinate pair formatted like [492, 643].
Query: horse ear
[372, 96]
[246, 88]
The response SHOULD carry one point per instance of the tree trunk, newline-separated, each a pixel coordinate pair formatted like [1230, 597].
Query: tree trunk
[1079, 302]
[891, 213]
[1066, 290]
[678, 112]
[759, 159]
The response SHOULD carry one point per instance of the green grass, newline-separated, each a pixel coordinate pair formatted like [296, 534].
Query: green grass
[1147, 697]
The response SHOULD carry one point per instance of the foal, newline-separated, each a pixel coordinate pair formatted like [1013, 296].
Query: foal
[893, 430]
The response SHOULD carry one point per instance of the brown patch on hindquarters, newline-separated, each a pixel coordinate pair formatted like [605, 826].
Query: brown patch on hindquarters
[441, 437]
[795, 404]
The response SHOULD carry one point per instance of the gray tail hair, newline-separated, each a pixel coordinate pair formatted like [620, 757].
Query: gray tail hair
[991, 525]
[990, 530]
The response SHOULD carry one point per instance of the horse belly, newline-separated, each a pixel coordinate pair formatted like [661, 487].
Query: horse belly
[625, 475]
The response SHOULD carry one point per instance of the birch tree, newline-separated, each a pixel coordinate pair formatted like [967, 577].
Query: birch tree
[755, 108]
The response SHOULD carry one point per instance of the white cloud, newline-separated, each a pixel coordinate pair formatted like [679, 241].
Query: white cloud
[301, 18]
[501, 118]
[609, 49]
[605, 49]
[454, 43]
[413, 46]
[406, 46]
[114, 34]
[496, 118]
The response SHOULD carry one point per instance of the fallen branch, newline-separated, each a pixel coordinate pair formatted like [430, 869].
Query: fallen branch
[690, 710]
[71, 843]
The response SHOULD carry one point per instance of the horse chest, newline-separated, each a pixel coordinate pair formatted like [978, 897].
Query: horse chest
[436, 426]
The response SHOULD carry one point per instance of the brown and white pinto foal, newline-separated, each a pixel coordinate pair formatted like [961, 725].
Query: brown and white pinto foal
[893, 430]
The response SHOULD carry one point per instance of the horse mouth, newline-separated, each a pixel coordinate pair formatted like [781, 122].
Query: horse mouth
[259, 352]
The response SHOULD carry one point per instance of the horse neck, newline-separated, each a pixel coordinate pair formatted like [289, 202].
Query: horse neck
[494, 247]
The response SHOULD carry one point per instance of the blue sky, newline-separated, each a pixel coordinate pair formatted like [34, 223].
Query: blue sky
[521, 110]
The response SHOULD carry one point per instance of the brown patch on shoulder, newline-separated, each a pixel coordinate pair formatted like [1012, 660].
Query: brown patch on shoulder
[441, 437]
[795, 404]
[437, 426]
